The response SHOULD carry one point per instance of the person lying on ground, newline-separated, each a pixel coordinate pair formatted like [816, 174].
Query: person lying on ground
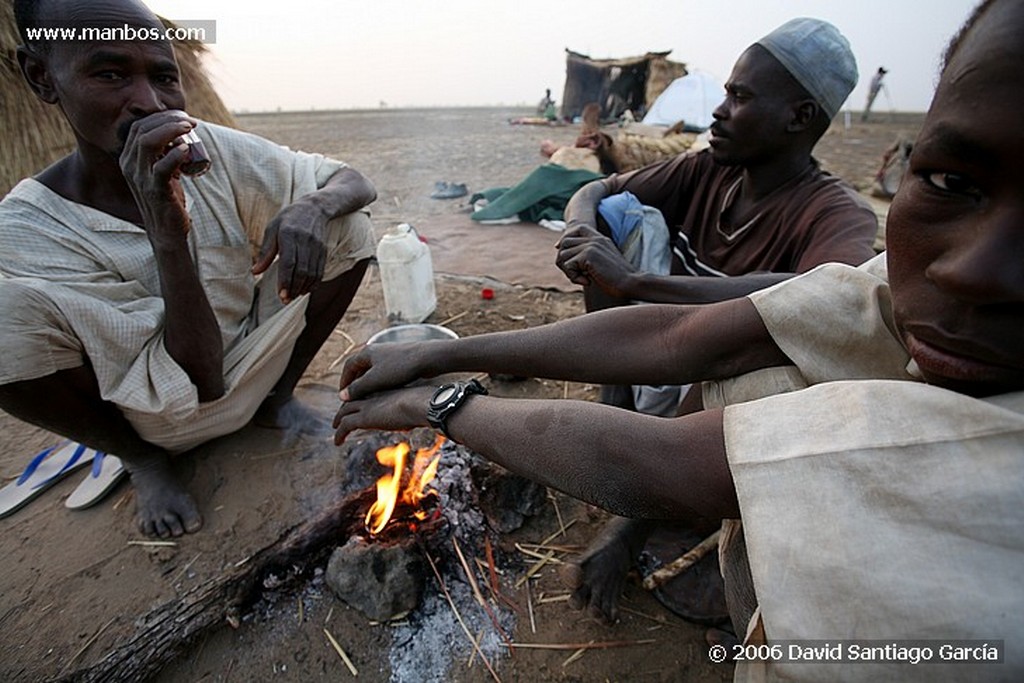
[865, 423]
[138, 319]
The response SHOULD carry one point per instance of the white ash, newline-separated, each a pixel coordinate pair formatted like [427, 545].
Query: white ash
[424, 647]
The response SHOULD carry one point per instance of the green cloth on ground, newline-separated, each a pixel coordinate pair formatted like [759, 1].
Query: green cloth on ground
[542, 194]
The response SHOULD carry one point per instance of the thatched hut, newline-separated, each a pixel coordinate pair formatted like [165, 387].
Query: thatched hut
[616, 84]
[35, 134]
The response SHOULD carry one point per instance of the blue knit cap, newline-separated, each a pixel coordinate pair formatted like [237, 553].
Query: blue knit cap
[818, 57]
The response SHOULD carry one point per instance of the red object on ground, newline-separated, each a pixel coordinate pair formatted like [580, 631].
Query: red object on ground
[487, 293]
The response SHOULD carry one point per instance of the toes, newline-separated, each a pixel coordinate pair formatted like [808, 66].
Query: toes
[194, 523]
[173, 526]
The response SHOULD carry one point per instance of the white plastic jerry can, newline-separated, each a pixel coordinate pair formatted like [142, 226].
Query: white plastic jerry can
[406, 274]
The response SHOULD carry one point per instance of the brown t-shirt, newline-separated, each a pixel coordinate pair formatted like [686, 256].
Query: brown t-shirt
[814, 218]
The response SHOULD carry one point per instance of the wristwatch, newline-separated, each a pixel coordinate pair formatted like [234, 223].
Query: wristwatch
[447, 399]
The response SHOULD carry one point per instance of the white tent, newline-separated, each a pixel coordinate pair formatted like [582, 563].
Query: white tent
[690, 99]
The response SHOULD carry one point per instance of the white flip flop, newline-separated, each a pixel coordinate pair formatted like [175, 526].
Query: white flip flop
[107, 471]
[47, 468]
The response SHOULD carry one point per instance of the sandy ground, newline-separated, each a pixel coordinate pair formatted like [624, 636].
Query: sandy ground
[77, 585]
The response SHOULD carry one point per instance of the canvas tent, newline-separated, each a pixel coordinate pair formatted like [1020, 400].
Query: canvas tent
[689, 99]
[616, 85]
[36, 134]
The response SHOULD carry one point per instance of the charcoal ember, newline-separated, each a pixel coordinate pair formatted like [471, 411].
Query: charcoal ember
[382, 580]
[505, 498]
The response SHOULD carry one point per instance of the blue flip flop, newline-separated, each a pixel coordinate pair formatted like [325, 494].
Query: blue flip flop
[107, 471]
[47, 468]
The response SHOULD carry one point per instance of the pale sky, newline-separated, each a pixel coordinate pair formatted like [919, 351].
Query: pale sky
[340, 54]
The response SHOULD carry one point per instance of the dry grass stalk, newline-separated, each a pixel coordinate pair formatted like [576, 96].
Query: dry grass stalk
[661, 621]
[545, 557]
[574, 656]
[529, 607]
[351, 345]
[185, 569]
[275, 454]
[470, 576]
[472, 655]
[681, 563]
[301, 615]
[155, 544]
[558, 511]
[341, 653]
[561, 531]
[554, 598]
[556, 548]
[585, 646]
[457, 316]
[458, 616]
[536, 567]
[89, 642]
[330, 613]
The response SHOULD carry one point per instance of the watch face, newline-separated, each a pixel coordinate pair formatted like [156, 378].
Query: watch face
[444, 394]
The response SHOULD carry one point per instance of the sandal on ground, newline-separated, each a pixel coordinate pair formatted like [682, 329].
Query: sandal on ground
[47, 468]
[106, 473]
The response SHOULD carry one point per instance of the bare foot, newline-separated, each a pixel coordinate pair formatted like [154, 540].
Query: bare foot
[163, 507]
[597, 577]
[292, 415]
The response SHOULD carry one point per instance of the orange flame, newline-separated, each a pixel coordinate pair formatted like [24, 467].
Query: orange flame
[391, 493]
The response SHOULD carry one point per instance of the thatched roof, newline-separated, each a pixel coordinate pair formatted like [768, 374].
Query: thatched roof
[616, 84]
[36, 134]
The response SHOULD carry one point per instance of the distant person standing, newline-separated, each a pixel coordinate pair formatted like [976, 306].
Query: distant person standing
[546, 108]
[876, 85]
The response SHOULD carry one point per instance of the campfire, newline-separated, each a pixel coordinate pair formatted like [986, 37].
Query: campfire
[406, 522]
[404, 493]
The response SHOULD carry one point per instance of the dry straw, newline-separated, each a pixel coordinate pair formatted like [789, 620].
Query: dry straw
[35, 134]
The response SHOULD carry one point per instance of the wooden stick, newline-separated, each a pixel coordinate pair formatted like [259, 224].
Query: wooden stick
[492, 571]
[681, 563]
[341, 653]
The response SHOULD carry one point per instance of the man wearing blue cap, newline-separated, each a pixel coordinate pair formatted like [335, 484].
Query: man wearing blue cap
[755, 205]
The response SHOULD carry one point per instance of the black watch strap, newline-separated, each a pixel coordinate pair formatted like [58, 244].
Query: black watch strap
[447, 399]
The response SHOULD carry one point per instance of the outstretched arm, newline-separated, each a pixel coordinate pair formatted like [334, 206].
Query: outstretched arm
[634, 465]
[656, 344]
